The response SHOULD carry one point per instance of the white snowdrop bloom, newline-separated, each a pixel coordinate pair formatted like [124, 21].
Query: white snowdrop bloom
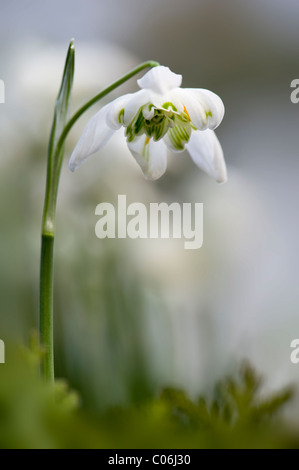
[159, 116]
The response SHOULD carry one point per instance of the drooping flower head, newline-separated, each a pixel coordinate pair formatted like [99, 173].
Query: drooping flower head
[159, 116]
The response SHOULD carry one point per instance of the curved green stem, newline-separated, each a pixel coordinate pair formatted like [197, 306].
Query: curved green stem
[55, 159]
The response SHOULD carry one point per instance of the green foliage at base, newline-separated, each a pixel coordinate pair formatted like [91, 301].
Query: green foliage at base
[34, 414]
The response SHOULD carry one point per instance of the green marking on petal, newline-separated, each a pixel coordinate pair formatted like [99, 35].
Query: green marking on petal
[121, 116]
[179, 136]
[139, 123]
[168, 105]
[145, 150]
[209, 114]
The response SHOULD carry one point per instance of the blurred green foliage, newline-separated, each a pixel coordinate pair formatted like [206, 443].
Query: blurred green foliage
[33, 414]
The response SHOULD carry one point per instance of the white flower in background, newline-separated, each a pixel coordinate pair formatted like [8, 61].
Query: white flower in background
[159, 116]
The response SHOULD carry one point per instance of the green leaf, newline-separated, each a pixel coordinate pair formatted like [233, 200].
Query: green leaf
[55, 155]
[62, 105]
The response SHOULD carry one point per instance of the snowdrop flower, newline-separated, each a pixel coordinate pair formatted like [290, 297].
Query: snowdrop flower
[159, 116]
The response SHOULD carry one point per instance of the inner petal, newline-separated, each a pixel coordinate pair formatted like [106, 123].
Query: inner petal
[177, 137]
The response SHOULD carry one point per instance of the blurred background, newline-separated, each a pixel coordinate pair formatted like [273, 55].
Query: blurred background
[134, 316]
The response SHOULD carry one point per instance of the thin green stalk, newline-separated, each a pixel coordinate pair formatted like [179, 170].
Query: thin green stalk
[46, 306]
[60, 130]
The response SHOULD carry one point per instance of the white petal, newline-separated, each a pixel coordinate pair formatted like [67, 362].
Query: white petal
[150, 155]
[95, 135]
[160, 80]
[144, 97]
[171, 144]
[167, 101]
[112, 117]
[169, 98]
[206, 152]
[138, 99]
[205, 108]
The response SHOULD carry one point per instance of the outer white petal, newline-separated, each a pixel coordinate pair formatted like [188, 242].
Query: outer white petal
[206, 152]
[150, 155]
[205, 108]
[95, 135]
[160, 80]
[138, 99]
[112, 116]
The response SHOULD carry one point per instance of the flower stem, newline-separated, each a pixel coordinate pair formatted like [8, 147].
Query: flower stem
[55, 158]
[46, 306]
